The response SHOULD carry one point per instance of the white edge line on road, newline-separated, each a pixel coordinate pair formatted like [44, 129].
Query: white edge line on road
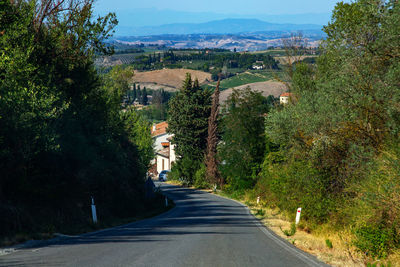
[27, 245]
[281, 242]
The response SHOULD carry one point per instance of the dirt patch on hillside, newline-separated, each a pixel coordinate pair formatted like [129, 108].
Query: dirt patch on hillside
[170, 77]
[266, 88]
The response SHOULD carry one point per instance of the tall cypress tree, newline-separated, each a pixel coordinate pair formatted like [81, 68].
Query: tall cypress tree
[139, 94]
[188, 121]
[212, 173]
[134, 94]
[144, 97]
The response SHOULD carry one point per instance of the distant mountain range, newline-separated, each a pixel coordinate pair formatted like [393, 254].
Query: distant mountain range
[225, 26]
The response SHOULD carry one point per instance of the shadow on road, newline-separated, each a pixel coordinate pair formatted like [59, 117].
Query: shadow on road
[196, 213]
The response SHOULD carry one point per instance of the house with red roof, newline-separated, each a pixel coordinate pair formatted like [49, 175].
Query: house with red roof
[164, 150]
[284, 98]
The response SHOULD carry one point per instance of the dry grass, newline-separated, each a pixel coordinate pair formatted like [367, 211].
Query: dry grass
[342, 253]
[313, 243]
[170, 78]
[284, 59]
[266, 88]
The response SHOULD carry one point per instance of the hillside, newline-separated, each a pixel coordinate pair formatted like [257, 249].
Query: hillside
[266, 88]
[170, 78]
[218, 26]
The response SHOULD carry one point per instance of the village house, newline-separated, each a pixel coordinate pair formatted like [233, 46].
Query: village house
[284, 98]
[164, 150]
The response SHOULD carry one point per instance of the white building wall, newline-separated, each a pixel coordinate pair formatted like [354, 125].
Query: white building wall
[160, 160]
[284, 99]
[160, 139]
[172, 155]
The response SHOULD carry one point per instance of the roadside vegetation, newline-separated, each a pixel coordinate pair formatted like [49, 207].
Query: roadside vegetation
[64, 136]
[333, 150]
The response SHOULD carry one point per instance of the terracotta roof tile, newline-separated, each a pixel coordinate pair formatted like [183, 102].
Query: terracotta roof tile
[286, 94]
[160, 128]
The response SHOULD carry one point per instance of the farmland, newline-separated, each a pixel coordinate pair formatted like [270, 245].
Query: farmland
[249, 77]
[170, 78]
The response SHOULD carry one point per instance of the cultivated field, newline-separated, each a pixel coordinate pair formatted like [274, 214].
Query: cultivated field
[248, 77]
[266, 88]
[170, 78]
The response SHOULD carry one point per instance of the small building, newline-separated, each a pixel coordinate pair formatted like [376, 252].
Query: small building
[258, 67]
[159, 134]
[284, 98]
[164, 150]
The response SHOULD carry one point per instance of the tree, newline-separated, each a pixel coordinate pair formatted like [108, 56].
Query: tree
[343, 118]
[139, 94]
[144, 97]
[212, 173]
[243, 144]
[63, 135]
[134, 94]
[188, 121]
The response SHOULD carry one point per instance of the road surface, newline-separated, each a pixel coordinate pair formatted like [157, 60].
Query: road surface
[202, 230]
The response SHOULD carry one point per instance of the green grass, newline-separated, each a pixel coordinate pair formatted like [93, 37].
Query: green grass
[248, 77]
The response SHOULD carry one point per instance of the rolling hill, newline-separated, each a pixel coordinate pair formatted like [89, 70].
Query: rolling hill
[225, 26]
[169, 79]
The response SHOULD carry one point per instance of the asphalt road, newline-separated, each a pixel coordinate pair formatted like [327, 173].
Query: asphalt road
[202, 230]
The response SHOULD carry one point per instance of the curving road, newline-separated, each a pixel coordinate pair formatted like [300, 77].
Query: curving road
[202, 230]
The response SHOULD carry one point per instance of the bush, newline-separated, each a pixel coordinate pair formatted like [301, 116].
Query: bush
[375, 212]
[184, 170]
[375, 240]
[290, 232]
[328, 243]
[200, 180]
[298, 184]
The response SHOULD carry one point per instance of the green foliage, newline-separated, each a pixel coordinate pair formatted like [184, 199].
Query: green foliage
[375, 240]
[247, 77]
[243, 143]
[138, 131]
[184, 170]
[328, 243]
[199, 59]
[336, 144]
[188, 121]
[290, 232]
[200, 180]
[296, 184]
[260, 212]
[63, 136]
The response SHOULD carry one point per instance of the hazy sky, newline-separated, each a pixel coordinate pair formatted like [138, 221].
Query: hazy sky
[240, 7]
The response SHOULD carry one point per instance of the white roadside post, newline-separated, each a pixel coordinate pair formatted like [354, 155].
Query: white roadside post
[298, 213]
[94, 215]
[258, 200]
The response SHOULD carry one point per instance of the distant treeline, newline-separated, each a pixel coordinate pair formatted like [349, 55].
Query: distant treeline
[212, 59]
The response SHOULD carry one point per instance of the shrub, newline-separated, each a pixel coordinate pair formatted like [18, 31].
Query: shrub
[200, 180]
[328, 243]
[375, 240]
[184, 170]
[290, 232]
[294, 185]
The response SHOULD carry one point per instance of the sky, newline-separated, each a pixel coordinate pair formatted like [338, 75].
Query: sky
[241, 7]
[139, 13]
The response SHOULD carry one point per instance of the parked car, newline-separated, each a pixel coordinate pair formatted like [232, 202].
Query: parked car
[163, 175]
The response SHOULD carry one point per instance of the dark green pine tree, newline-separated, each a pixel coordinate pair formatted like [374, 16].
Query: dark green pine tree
[188, 121]
[139, 94]
[145, 100]
[134, 93]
